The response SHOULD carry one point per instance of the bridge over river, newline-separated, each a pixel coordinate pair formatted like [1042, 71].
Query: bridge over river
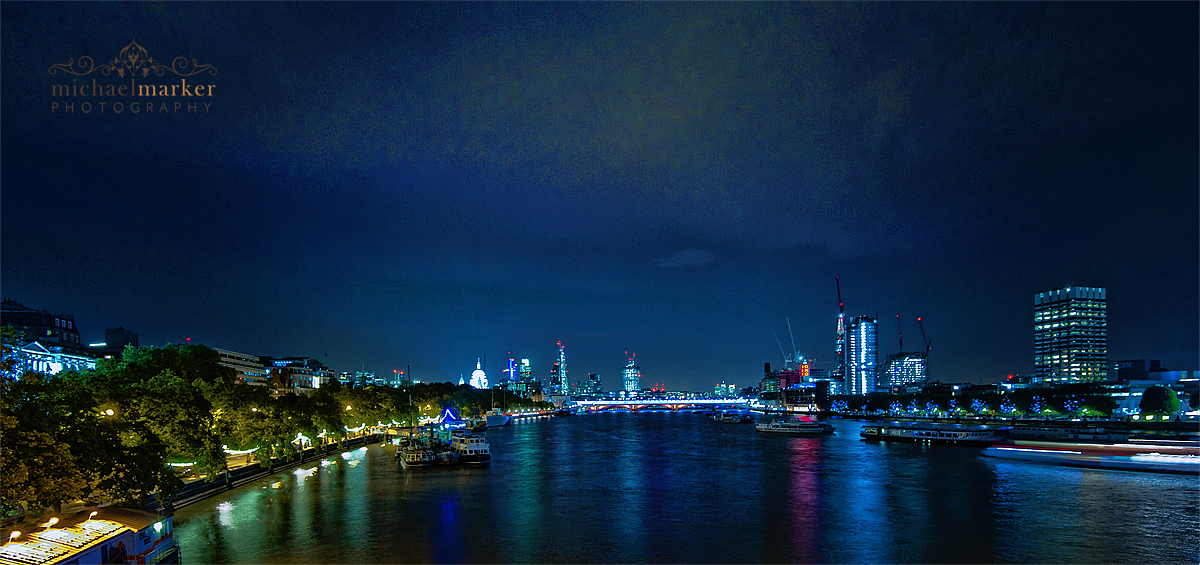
[669, 403]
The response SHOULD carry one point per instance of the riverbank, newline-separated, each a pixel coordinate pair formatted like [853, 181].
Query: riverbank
[199, 488]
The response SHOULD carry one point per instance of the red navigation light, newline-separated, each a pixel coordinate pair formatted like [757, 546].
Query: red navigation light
[1010, 377]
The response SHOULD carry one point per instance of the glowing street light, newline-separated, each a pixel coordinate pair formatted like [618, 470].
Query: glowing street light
[109, 412]
[12, 536]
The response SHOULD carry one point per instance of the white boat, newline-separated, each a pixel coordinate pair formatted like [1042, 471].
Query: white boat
[414, 454]
[796, 427]
[733, 418]
[471, 449]
[929, 432]
[495, 418]
[1125, 457]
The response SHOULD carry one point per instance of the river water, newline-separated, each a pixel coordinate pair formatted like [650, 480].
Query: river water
[662, 487]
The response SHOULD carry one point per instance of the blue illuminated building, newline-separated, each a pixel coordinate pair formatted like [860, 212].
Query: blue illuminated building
[862, 367]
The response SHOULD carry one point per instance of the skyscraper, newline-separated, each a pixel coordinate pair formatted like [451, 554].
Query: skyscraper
[1070, 334]
[862, 360]
[631, 377]
[560, 377]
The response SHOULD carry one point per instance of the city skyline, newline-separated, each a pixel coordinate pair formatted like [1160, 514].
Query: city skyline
[385, 186]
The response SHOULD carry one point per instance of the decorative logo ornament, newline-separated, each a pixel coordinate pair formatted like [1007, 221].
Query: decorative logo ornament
[132, 61]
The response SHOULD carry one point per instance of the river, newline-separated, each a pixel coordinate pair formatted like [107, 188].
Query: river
[662, 487]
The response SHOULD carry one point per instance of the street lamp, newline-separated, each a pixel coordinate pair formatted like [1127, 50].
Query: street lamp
[11, 537]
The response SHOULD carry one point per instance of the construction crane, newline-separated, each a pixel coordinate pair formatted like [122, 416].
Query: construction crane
[838, 281]
[839, 369]
[900, 330]
[928, 343]
[794, 358]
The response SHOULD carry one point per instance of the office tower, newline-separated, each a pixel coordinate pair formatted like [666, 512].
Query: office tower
[905, 369]
[862, 359]
[593, 385]
[631, 377]
[1070, 335]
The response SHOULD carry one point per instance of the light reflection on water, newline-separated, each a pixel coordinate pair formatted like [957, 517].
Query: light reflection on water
[679, 488]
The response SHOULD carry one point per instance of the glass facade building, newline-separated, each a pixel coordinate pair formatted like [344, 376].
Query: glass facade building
[631, 377]
[862, 359]
[1070, 335]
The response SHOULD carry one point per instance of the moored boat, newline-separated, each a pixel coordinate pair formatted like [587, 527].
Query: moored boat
[796, 427]
[733, 418]
[470, 448]
[495, 418]
[1061, 433]
[930, 432]
[412, 453]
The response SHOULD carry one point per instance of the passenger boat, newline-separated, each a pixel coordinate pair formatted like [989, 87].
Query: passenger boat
[929, 432]
[415, 455]
[796, 427]
[1072, 434]
[470, 448]
[495, 418]
[733, 418]
[1126, 457]
[477, 424]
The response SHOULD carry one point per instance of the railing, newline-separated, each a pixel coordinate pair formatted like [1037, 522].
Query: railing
[672, 403]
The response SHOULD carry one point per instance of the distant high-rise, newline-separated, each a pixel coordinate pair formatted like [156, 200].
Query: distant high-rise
[1070, 334]
[560, 375]
[593, 386]
[839, 354]
[631, 377]
[905, 369]
[862, 359]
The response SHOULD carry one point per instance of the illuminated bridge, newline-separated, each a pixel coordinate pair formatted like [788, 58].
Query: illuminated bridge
[671, 403]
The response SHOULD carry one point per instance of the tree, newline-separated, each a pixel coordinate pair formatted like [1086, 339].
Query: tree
[1159, 400]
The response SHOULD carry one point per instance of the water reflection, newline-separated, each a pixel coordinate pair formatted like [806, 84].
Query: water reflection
[679, 488]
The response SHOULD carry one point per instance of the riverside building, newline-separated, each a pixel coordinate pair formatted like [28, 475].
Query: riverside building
[1070, 335]
[862, 359]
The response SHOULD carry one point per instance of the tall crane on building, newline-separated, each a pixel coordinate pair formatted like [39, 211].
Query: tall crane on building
[900, 330]
[928, 343]
[838, 280]
[839, 362]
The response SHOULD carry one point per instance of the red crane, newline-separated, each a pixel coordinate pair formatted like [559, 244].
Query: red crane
[928, 343]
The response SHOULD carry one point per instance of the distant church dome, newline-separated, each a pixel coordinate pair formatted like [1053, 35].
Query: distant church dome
[478, 378]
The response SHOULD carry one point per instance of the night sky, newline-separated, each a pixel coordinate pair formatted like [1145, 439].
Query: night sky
[424, 184]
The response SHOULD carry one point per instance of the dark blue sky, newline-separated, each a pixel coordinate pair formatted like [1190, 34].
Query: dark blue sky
[427, 183]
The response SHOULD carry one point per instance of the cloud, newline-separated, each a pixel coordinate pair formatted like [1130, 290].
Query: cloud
[687, 258]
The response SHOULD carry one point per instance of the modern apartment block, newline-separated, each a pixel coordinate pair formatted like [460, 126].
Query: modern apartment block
[249, 367]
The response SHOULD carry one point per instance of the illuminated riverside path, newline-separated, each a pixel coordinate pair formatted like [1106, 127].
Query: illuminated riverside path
[677, 487]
